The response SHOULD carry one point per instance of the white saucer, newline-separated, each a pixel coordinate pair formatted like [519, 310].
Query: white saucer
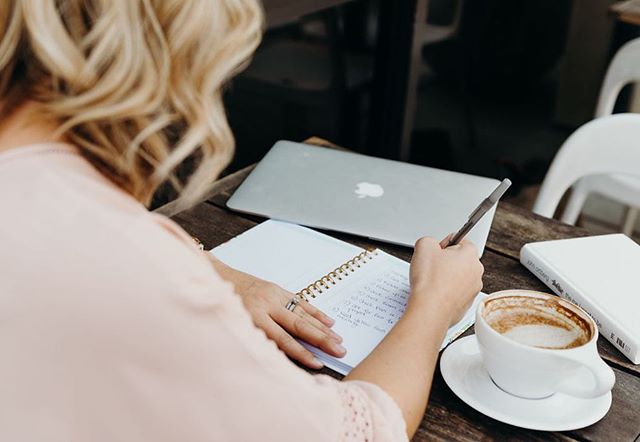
[463, 371]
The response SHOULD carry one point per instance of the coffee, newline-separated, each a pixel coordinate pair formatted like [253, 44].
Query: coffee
[532, 344]
[537, 322]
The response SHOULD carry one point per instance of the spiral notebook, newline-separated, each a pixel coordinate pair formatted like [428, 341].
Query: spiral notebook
[365, 291]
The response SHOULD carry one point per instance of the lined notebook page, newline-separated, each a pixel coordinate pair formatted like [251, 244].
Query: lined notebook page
[365, 305]
[286, 254]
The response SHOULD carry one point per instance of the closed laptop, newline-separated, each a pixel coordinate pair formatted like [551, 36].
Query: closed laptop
[377, 198]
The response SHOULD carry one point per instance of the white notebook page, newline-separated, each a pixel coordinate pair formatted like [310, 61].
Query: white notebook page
[286, 254]
[368, 305]
[365, 304]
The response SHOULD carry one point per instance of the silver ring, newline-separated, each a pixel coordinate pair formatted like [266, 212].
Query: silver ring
[292, 304]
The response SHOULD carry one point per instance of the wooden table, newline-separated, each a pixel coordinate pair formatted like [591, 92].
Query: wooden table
[447, 417]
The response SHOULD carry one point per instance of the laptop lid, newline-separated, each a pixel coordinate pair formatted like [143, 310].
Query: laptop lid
[347, 192]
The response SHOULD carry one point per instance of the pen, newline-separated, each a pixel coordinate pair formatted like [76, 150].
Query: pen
[480, 211]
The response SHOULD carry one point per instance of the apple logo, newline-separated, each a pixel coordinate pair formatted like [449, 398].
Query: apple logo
[369, 189]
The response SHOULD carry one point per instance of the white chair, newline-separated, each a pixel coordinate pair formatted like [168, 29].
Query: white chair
[624, 69]
[607, 145]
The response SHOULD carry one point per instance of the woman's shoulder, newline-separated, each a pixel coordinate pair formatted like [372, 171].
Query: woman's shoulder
[56, 177]
[64, 220]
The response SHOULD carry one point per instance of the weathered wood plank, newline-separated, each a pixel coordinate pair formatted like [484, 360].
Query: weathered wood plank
[449, 418]
[513, 227]
[502, 273]
[213, 226]
[622, 422]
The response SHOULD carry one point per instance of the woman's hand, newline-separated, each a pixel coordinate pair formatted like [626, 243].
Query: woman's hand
[443, 283]
[446, 279]
[266, 302]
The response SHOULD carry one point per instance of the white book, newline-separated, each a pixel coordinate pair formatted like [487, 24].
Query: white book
[601, 274]
[366, 300]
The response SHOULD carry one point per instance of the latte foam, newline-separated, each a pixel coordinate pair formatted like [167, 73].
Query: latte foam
[545, 336]
[537, 322]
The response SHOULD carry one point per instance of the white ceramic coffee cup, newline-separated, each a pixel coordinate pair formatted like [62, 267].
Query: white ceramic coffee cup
[533, 372]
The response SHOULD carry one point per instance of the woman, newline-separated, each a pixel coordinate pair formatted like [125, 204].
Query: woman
[113, 325]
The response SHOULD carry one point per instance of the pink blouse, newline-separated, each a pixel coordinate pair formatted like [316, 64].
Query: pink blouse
[113, 326]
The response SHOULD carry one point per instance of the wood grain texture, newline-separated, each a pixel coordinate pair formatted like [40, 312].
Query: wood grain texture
[512, 228]
[448, 418]
[501, 272]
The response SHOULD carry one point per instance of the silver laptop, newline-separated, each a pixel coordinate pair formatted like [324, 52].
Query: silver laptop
[347, 192]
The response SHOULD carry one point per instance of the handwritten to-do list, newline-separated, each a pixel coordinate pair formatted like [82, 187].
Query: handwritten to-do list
[366, 304]
[377, 303]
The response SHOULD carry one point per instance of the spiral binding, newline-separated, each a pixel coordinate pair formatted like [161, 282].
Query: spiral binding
[331, 278]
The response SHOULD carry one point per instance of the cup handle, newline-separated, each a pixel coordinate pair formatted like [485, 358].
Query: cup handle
[603, 377]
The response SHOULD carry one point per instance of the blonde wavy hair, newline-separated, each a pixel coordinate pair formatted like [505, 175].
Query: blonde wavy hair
[136, 84]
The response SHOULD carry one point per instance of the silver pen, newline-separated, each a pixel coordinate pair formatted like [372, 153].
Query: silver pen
[480, 211]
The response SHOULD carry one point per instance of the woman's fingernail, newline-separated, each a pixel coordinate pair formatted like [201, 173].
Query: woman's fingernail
[335, 336]
[338, 349]
[318, 363]
[329, 321]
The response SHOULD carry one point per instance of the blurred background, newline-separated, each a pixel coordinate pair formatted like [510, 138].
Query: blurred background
[489, 87]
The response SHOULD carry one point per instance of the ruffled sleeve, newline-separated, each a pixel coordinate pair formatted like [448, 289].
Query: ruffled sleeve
[369, 414]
